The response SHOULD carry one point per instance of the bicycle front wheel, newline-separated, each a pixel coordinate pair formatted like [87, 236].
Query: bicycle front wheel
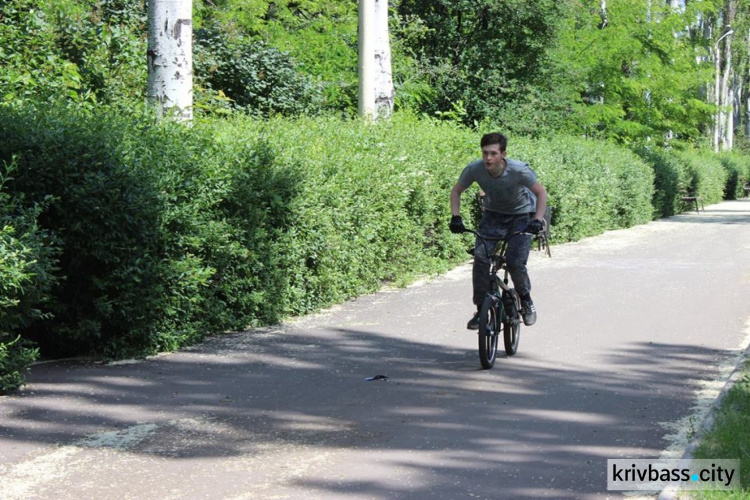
[489, 322]
[512, 326]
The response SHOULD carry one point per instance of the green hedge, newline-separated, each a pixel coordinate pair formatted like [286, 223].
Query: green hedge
[169, 233]
[699, 172]
[670, 178]
[593, 186]
[158, 234]
[738, 174]
[706, 177]
[27, 259]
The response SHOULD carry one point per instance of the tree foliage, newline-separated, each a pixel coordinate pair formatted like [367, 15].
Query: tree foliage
[637, 70]
[490, 56]
[638, 73]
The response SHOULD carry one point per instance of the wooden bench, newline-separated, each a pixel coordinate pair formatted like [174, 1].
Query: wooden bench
[692, 199]
[747, 189]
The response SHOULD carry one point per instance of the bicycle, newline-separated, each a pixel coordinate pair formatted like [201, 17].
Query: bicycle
[501, 306]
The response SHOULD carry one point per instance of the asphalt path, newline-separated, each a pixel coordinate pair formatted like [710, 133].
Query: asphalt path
[637, 331]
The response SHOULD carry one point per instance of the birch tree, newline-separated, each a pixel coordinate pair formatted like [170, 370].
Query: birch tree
[724, 116]
[375, 75]
[366, 61]
[170, 58]
[383, 73]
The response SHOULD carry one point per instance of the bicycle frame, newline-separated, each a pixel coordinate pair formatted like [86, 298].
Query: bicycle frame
[497, 259]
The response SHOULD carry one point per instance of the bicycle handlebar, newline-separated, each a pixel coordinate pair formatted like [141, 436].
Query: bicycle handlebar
[487, 238]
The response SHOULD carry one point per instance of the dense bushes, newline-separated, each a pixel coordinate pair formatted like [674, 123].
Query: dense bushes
[593, 186]
[700, 173]
[706, 177]
[27, 256]
[255, 77]
[129, 237]
[169, 233]
[738, 174]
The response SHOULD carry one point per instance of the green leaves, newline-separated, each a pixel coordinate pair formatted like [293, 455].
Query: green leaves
[27, 265]
[256, 78]
[638, 75]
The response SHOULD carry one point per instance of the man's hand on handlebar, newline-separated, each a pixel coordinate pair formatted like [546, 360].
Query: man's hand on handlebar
[535, 227]
[457, 225]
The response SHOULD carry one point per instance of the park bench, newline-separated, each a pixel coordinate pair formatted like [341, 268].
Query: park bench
[691, 199]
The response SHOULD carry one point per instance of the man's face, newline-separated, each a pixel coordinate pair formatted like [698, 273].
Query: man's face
[492, 156]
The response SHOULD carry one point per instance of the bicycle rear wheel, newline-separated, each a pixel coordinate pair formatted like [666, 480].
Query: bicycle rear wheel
[489, 331]
[512, 326]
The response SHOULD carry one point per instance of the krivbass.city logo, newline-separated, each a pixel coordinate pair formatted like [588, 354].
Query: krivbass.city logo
[652, 475]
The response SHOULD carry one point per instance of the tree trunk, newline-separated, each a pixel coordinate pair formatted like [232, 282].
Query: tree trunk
[717, 97]
[727, 114]
[384, 91]
[745, 95]
[366, 59]
[170, 58]
[736, 109]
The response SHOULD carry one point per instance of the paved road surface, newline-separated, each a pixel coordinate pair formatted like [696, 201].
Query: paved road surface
[636, 330]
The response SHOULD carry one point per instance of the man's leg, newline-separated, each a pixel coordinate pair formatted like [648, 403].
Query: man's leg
[517, 256]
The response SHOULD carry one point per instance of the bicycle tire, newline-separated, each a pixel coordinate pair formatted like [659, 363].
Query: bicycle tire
[512, 326]
[488, 331]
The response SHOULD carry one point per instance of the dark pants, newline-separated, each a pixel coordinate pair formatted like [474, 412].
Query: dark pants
[499, 225]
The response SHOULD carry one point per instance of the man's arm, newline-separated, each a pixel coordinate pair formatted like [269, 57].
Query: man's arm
[456, 199]
[541, 199]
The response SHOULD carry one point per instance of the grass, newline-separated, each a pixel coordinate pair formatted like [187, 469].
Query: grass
[729, 438]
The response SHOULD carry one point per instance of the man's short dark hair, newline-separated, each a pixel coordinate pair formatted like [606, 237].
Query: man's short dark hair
[494, 138]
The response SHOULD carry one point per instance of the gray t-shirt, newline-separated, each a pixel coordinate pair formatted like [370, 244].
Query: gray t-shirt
[507, 194]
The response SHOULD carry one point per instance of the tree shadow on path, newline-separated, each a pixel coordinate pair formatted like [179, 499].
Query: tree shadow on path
[438, 428]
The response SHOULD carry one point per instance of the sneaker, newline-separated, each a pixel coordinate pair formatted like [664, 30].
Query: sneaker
[473, 323]
[528, 311]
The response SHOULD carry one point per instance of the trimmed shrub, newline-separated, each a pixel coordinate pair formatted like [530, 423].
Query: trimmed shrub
[370, 202]
[670, 177]
[105, 212]
[27, 259]
[256, 78]
[593, 186]
[168, 233]
[705, 175]
[738, 174]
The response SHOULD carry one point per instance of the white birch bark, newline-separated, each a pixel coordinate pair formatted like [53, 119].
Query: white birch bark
[721, 89]
[717, 98]
[170, 58]
[726, 114]
[603, 14]
[383, 77]
[366, 59]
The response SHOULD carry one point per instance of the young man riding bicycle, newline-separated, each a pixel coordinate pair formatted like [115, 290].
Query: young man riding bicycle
[514, 200]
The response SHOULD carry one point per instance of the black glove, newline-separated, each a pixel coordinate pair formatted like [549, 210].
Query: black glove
[534, 227]
[457, 225]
